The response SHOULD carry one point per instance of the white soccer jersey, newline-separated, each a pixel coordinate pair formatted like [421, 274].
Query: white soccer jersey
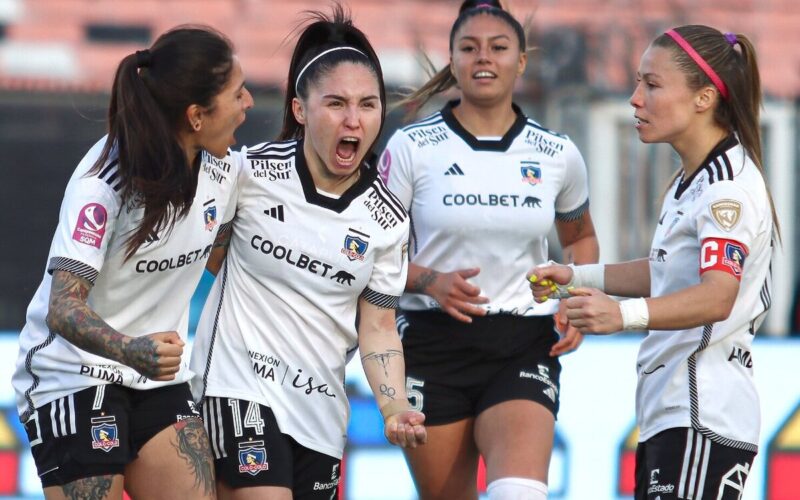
[148, 293]
[718, 218]
[484, 203]
[280, 320]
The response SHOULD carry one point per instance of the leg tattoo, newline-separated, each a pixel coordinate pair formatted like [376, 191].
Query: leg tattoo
[90, 488]
[193, 446]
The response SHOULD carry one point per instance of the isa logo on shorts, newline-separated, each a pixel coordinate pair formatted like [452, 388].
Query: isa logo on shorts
[252, 457]
[355, 246]
[104, 433]
[531, 172]
[91, 226]
[210, 216]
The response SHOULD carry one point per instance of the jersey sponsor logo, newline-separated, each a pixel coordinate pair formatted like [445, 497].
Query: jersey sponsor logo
[722, 255]
[384, 165]
[155, 266]
[541, 144]
[541, 377]
[104, 433]
[531, 172]
[264, 366]
[380, 211]
[215, 168]
[252, 457]
[742, 356]
[91, 225]
[490, 200]
[726, 213]
[655, 487]
[454, 170]
[429, 136]
[275, 212]
[355, 246]
[301, 261]
[271, 170]
[658, 255]
[210, 215]
[106, 373]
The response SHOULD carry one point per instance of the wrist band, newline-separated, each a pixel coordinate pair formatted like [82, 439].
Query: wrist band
[588, 275]
[394, 407]
[635, 315]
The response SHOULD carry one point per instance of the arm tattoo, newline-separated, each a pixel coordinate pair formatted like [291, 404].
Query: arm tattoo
[388, 391]
[193, 446]
[423, 281]
[90, 488]
[70, 316]
[382, 358]
[223, 238]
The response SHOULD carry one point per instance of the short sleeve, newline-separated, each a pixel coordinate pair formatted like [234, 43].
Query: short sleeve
[573, 199]
[237, 161]
[396, 167]
[87, 219]
[389, 272]
[725, 211]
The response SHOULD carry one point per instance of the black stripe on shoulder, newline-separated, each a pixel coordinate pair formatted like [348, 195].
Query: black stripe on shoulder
[273, 147]
[710, 170]
[434, 119]
[109, 169]
[535, 125]
[389, 199]
[271, 155]
[72, 266]
[728, 166]
[380, 299]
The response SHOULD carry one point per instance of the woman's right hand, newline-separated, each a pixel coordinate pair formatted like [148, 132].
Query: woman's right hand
[456, 296]
[544, 280]
[157, 356]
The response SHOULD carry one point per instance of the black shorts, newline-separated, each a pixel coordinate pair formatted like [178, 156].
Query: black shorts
[682, 463]
[99, 430]
[456, 370]
[250, 450]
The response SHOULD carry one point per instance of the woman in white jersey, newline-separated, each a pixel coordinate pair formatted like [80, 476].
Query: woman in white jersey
[316, 263]
[100, 383]
[705, 288]
[484, 185]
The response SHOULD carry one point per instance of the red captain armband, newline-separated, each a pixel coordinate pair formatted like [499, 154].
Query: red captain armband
[719, 254]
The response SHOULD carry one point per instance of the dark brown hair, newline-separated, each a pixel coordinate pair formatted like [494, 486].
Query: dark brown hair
[151, 92]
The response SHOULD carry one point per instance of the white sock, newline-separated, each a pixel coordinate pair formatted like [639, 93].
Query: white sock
[516, 488]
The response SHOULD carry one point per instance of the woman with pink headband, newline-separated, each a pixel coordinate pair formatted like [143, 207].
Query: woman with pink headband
[704, 295]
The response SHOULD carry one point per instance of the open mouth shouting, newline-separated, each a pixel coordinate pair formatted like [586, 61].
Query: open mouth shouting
[346, 151]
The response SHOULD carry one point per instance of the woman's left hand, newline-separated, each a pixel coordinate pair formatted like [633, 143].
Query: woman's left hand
[406, 429]
[570, 339]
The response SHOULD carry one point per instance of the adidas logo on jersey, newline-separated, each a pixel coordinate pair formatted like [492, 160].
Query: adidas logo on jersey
[454, 170]
[275, 212]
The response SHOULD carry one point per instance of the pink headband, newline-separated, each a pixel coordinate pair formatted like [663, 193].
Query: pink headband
[708, 70]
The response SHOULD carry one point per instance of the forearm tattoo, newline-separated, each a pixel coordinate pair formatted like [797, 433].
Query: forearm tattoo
[69, 316]
[192, 445]
[423, 281]
[223, 239]
[382, 358]
[388, 391]
[90, 488]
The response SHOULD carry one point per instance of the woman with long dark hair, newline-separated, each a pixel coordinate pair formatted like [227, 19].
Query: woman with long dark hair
[484, 185]
[315, 266]
[101, 386]
[705, 288]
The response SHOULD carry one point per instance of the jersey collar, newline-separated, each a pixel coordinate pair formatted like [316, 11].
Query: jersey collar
[477, 144]
[724, 145]
[338, 205]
